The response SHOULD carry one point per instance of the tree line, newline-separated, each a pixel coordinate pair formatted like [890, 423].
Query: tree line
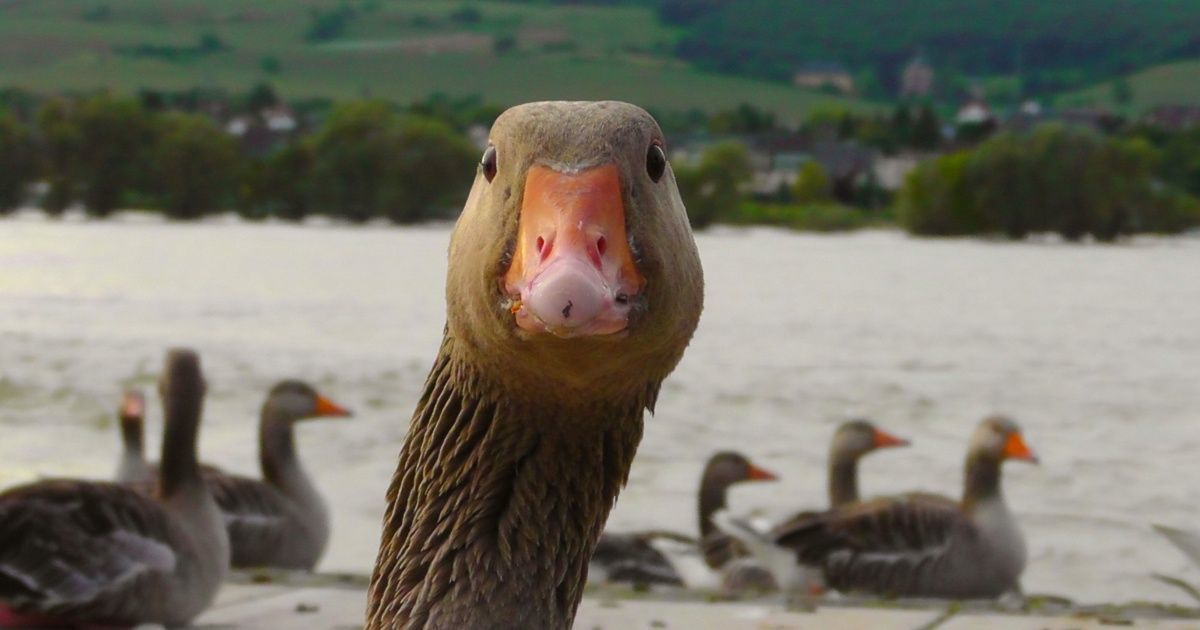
[1055, 178]
[366, 160]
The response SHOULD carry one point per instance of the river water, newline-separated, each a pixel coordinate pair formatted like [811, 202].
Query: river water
[1094, 349]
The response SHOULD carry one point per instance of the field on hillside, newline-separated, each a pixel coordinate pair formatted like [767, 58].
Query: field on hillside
[1167, 84]
[403, 51]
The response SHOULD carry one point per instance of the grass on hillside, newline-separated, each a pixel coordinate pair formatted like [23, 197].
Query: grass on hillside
[1167, 84]
[561, 52]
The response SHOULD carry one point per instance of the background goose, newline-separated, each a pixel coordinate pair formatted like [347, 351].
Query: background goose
[78, 552]
[573, 288]
[634, 557]
[851, 441]
[131, 421]
[723, 470]
[923, 545]
[280, 521]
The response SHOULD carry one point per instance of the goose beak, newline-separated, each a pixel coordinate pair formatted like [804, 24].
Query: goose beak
[883, 439]
[754, 473]
[133, 405]
[1016, 448]
[573, 273]
[328, 408]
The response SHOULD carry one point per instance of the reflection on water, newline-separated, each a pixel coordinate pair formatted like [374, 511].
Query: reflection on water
[1095, 349]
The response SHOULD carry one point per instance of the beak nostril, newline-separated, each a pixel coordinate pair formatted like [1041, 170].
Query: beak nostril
[541, 247]
[601, 245]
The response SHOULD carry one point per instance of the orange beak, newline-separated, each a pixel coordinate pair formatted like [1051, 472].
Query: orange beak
[572, 273]
[328, 408]
[883, 439]
[754, 473]
[1015, 448]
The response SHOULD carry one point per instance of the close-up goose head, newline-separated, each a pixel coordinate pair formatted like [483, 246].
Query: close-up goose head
[574, 249]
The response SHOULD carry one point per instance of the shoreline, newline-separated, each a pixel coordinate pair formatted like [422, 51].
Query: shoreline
[262, 599]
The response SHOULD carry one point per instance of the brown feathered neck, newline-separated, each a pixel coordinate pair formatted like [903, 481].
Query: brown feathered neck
[714, 493]
[276, 445]
[981, 479]
[497, 503]
[179, 468]
[843, 477]
[132, 432]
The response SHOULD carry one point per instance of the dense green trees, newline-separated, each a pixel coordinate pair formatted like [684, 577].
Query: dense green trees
[812, 183]
[279, 186]
[367, 160]
[195, 166]
[370, 162]
[110, 157]
[712, 190]
[1055, 179]
[16, 162]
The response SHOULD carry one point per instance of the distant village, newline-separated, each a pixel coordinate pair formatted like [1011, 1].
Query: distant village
[777, 155]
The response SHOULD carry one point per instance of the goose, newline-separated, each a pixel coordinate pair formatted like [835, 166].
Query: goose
[573, 287]
[280, 521]
[131, 416]
[922, 545]
[633, 557]
[76, 553]
[773, 567]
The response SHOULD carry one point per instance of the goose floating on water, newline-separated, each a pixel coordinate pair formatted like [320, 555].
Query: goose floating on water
[83, 553]
[573, 287]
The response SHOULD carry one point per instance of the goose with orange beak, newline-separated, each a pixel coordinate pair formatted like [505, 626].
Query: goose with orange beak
[573, 287]
[922, 545]
[280, 521]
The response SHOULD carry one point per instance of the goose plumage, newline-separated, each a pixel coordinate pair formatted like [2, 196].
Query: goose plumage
[82, 552]
[573, 287]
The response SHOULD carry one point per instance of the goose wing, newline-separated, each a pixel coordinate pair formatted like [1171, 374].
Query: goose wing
[257, 517]
[77, 548]
[887, 546]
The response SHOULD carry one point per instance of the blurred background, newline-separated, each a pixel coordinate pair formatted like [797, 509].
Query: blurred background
[273, 184]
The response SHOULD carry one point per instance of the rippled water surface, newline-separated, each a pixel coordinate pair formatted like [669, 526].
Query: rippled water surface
[1095, 349]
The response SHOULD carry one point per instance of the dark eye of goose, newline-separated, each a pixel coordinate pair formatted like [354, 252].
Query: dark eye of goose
[656, 162]
[488, 163]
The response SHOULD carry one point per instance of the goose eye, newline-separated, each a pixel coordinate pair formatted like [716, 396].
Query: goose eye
[488, 163]
[656, 162]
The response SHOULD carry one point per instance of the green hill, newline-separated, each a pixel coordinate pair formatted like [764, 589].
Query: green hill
[399, 50]
[1166, 84]
[1052, 46]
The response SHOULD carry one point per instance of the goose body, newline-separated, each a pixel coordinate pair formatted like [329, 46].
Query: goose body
[79, 552]
[922, 545]
[635, 556]
[280, 521]
[573, 288]
[852, 440]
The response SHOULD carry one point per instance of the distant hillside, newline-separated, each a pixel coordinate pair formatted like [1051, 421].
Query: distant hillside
[1167, 84]
[1052, 46]
[399, 50]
